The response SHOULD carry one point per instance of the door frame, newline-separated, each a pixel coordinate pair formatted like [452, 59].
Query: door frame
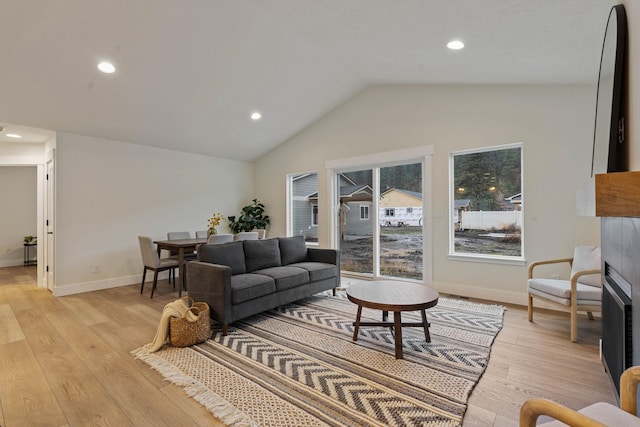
[423, 154]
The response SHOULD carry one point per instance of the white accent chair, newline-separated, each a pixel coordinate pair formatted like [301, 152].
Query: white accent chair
[152, 261]
[216, 239]
[596, 415]
[201, 234]
[582, 292]
[246, 235]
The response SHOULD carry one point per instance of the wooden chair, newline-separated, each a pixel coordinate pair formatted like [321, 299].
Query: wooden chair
[217, 239]
[262, 233]
[246, 235]
[152, 261]
[181, 235]
[597, 415]
[582, 292]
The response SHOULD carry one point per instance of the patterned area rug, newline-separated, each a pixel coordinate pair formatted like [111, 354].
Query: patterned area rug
[297, 365]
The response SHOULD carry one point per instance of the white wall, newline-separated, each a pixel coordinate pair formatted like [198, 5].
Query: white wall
[632, 122]
[555, 124]
[109, 192]
[18, 212]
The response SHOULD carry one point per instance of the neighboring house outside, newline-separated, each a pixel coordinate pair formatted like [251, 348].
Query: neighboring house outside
[356, 202]
[459, 206]
[514, 203]
[400, 207]
[304, 204]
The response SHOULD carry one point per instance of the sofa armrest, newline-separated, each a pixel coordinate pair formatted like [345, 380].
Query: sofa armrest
[329, 256]
[211, 283]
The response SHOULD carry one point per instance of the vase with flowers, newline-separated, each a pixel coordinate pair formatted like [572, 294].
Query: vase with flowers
[213, 223]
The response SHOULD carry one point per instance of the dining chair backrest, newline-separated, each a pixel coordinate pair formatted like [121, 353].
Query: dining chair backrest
[262, 233]
[201, 234]
[178, 235]
[216, 239]
[150, 257]
[246, 235]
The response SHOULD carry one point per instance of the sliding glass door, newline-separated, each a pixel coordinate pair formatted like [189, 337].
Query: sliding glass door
[380, 220]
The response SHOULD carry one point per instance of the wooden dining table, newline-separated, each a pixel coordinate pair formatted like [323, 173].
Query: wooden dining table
[181, 246]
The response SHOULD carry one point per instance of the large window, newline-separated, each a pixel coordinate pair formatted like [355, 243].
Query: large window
[302, 205]
[487, 203]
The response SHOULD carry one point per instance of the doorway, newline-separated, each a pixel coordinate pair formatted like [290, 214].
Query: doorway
[381, 224]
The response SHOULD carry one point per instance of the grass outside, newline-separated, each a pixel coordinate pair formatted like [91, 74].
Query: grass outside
[401, 250]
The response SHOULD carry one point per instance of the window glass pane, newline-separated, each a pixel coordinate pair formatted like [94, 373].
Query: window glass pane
[303, 209]
[487, 202]
[356, 227]
[401, 221]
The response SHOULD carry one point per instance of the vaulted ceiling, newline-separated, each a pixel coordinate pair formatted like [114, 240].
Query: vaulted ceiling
[189, 73]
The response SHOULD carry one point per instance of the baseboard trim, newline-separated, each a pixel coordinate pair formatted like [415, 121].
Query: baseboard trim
[498, 295]
[12, 263]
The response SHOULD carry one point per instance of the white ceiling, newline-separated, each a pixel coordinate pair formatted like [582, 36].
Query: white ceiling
[190, 72]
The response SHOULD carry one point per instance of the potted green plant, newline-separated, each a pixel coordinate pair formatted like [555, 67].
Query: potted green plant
[251, 217]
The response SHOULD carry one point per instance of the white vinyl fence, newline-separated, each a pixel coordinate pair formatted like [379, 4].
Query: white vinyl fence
[487, 220]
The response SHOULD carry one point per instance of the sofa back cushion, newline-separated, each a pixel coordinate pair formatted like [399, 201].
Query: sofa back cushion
[229, 254]
[292, 249]
[261, 254]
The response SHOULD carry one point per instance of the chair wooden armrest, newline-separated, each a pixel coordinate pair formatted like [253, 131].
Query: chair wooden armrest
[574, 278]
[533, 408]
[629, 381]
[549, 261]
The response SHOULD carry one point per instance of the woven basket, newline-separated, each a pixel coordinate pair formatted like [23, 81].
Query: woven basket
[183, 333]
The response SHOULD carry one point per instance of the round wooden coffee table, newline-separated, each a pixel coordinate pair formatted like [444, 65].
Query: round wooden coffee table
[392, 296]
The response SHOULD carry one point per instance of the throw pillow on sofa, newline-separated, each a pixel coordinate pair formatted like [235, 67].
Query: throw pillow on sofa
[261, 254]
[229, 254]
[292, 249]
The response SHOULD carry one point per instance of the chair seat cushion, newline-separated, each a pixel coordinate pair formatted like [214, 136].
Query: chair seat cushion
[168, 262]
[245, 287]
[317, 270]
[560, 291]
[286, 277]
[605, 413]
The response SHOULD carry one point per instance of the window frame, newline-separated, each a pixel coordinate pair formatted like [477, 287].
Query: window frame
[480, 257]
[314, 214]
[367, 209]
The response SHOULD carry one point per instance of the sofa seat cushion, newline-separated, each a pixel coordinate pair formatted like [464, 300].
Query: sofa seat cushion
[261, 254]
[286, 277]
[318, 270]
[245, 287]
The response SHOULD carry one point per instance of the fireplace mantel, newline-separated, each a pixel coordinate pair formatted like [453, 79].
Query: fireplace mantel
[618, 194]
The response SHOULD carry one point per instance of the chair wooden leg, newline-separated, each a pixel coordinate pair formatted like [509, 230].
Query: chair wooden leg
[172, 274]
[155, 282]
[224, 329]
[590, 315]
[574, 324]
[144, 275]
[530, 308]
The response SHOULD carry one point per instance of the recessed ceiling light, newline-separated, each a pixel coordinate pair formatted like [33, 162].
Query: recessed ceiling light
[455, 45]
[256, 115]
[14, 135]
[106, 67]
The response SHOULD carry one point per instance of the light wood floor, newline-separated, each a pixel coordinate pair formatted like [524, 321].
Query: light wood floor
[66, 361]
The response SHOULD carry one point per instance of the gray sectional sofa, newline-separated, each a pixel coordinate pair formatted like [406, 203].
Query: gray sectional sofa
[243, 278]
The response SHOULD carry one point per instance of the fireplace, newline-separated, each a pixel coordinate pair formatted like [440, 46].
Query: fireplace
[617, 348]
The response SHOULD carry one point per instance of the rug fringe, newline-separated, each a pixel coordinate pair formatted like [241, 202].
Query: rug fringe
[219, 407]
